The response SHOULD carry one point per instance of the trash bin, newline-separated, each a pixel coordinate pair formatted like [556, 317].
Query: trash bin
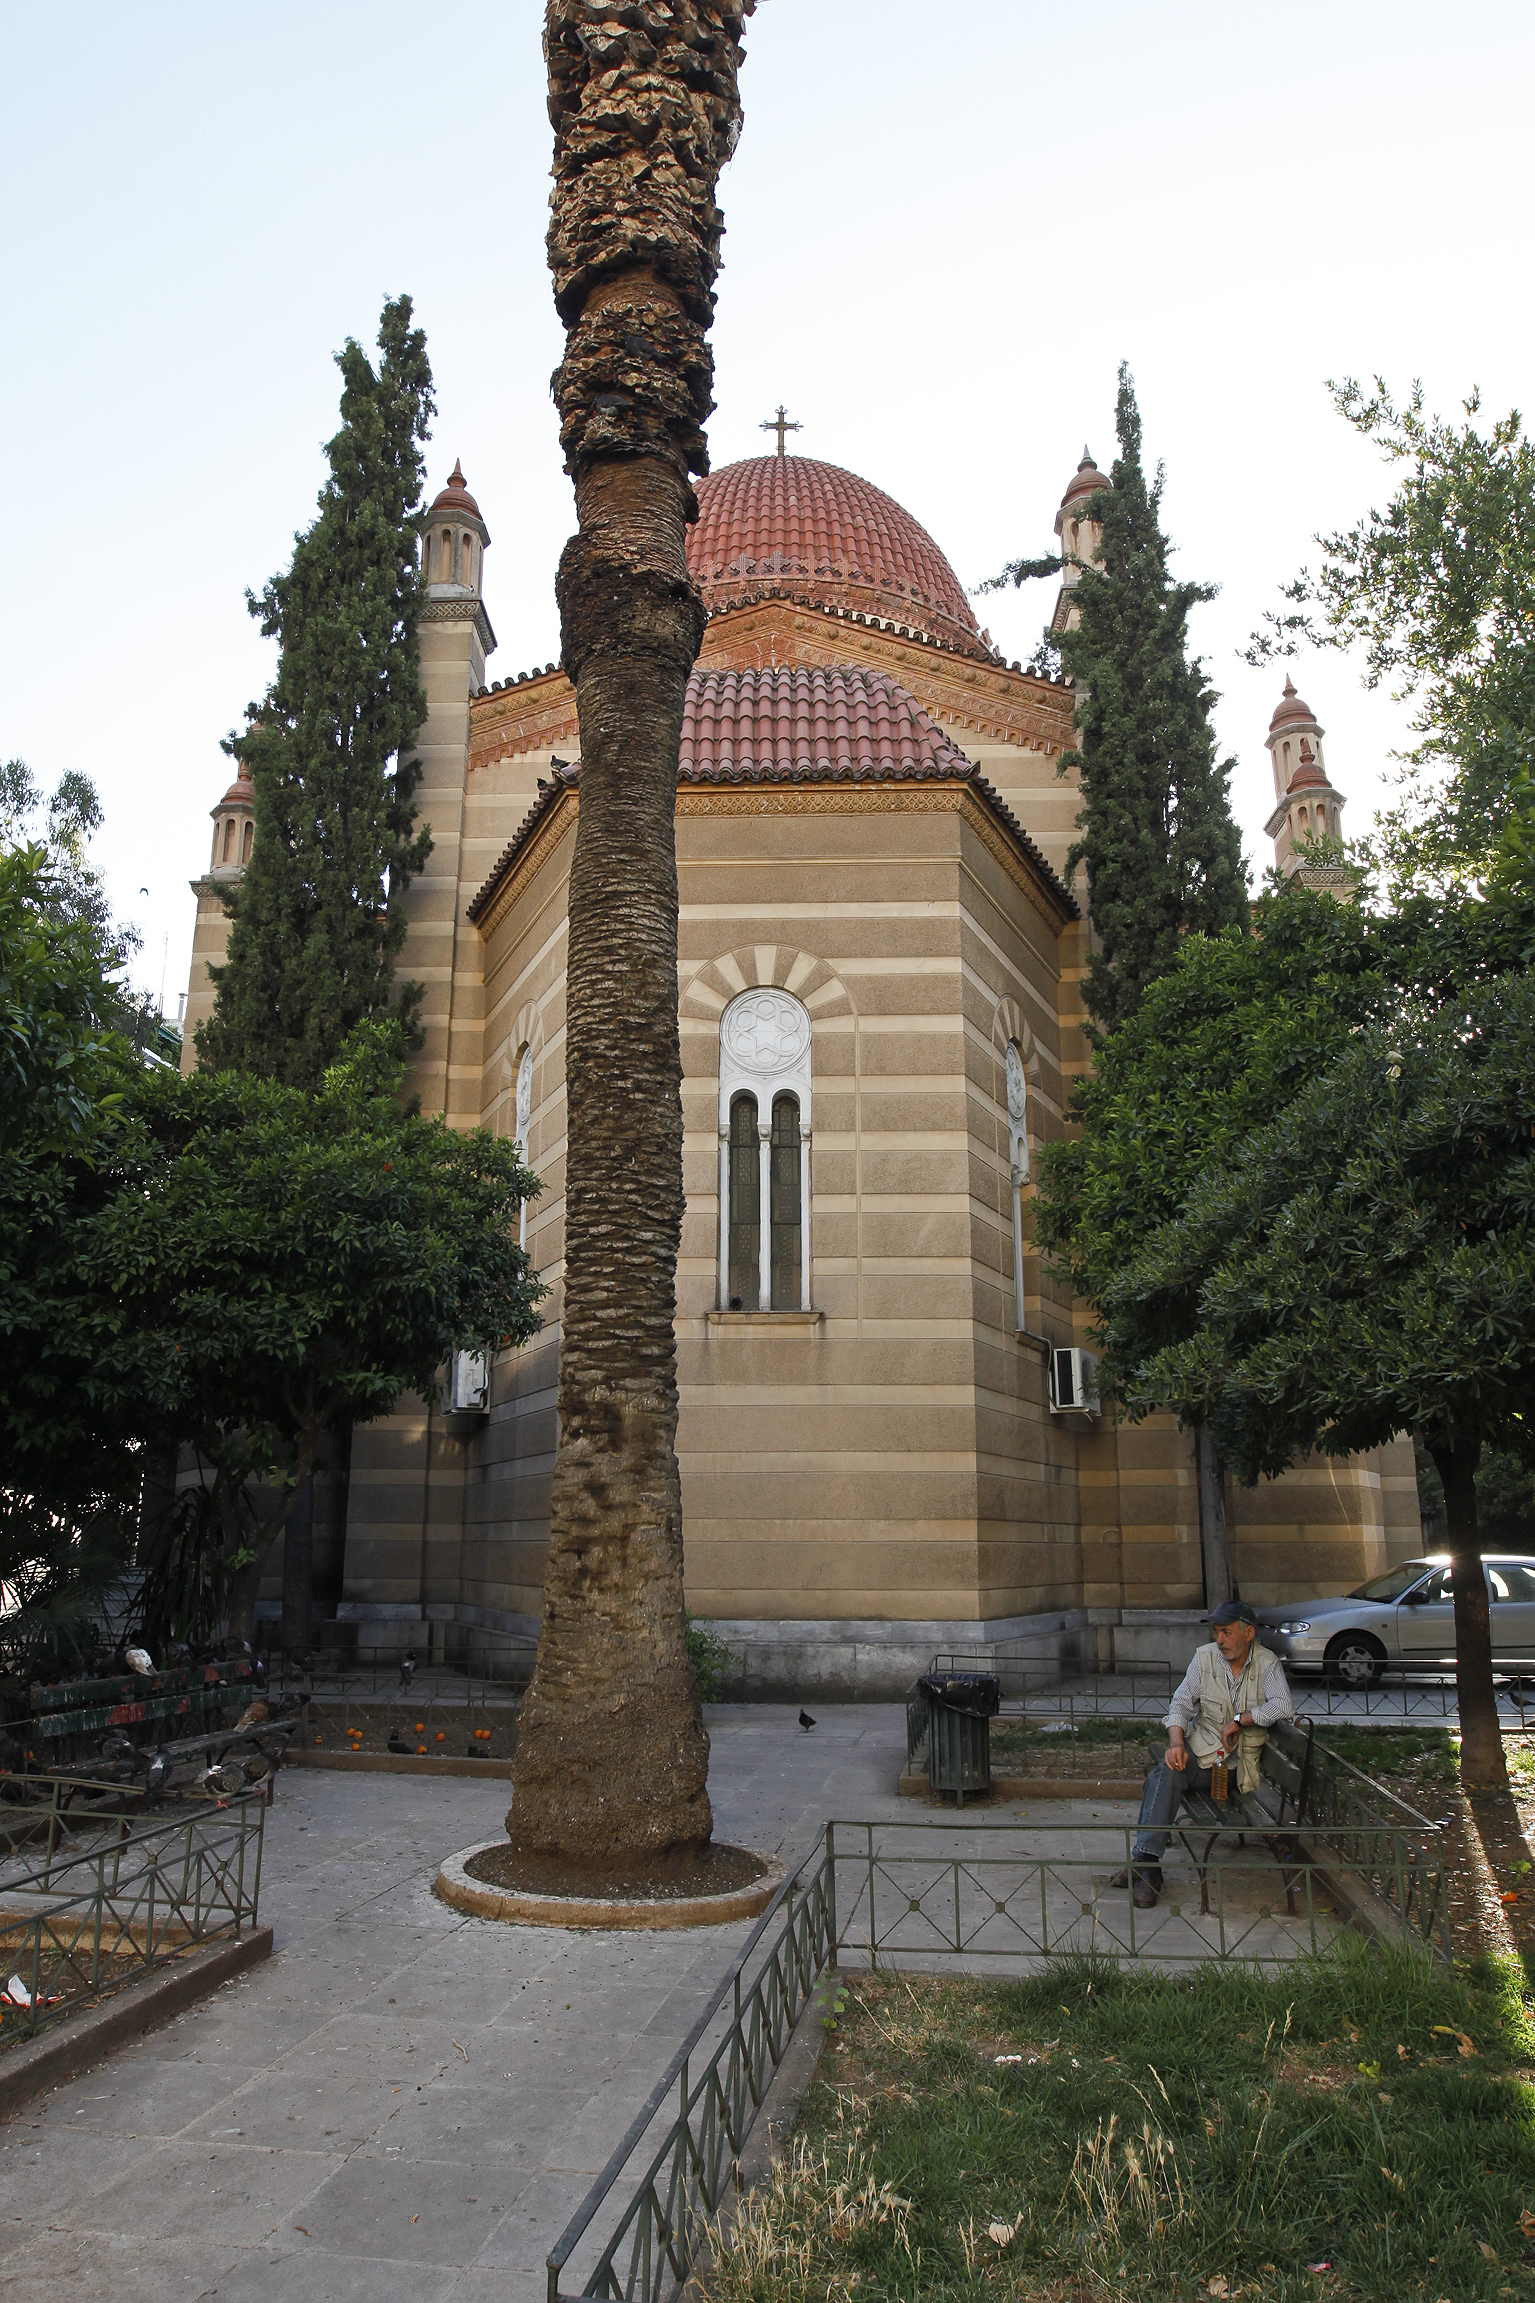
[961, 1707]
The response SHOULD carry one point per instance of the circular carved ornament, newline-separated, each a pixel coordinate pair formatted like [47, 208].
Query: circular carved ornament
[1017, 1087]
[766, 1031]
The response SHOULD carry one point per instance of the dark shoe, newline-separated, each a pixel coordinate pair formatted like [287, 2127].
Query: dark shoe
[1146, 1887]
[1142, 1874]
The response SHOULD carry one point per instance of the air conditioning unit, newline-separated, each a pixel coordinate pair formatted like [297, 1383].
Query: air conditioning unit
[466, 1385]
[1074, 1382]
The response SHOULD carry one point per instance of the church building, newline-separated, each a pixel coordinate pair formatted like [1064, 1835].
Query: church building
[889, 1434]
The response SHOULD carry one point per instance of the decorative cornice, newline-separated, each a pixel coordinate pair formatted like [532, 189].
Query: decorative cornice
[467, 610]
[491, 906]
[495, 899]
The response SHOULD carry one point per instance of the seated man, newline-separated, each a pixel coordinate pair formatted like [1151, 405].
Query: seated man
[1231, 1695]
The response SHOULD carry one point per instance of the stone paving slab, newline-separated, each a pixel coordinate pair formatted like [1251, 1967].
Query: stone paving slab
[396, 2060]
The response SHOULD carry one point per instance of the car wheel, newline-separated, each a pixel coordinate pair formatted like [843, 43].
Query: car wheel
[1355, 1659]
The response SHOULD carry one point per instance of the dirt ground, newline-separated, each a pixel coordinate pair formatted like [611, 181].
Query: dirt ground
[459, 1731]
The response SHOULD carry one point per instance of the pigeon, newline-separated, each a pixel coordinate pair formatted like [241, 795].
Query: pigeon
[224, 1779]
[407, 1672]
[251, 1716]
[140, 1660]
[806, 1721]
[157, 1774]
[397, 1743]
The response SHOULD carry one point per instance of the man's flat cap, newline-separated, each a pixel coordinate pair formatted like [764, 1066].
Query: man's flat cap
[1234, 1611]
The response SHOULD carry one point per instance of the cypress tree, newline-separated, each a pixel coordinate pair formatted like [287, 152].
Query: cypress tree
[1163, 855]
[317, 920]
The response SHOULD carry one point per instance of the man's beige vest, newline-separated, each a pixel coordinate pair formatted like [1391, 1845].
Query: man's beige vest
[1217, 1709]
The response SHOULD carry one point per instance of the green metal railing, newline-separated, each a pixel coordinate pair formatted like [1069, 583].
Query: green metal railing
[651, 2247]
[121, 1894]
[998, 1896]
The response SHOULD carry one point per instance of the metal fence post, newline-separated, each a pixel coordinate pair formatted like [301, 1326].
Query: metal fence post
[831, 1894]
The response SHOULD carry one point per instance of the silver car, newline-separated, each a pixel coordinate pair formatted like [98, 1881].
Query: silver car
[1402, 1621]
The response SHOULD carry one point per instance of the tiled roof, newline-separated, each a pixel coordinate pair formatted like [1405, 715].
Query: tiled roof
[841, 724]
[789, 526]
[840, 720]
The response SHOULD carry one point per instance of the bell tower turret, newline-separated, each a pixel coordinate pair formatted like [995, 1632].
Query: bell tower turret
[234, 832]
[456, 638]
[1308, 806]
[1081, 538]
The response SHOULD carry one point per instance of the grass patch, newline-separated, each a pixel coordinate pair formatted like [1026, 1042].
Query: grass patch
[1092, 2132]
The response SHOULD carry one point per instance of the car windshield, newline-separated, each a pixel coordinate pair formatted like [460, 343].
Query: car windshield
[1392, 1586]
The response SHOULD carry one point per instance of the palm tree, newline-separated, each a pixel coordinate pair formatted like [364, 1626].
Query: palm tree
[613, 1759]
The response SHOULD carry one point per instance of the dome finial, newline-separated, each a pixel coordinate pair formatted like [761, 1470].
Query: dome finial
[457, 480]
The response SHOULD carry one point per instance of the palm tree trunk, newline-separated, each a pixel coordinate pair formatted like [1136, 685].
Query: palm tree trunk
[1483, 1766]
[612, 1757]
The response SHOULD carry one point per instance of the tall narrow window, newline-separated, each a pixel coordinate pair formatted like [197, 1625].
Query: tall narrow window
[229, 837]
[1018, 1169]
[764, 1127]
[524, 1130]
[445, 563]
[784, 1197]
[745, 1207]
[465, 561]
[246, 843]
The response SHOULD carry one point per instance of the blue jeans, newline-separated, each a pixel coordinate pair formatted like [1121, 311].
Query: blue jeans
[1160, 1801]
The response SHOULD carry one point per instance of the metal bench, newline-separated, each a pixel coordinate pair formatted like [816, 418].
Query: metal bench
[1283, 1774]
[185, 1717]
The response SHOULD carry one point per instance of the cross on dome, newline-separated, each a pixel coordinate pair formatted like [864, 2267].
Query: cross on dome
[780, 424]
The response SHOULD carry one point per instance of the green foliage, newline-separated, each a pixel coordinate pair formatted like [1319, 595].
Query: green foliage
[711, 1659]
[318, 922]
[242, 1266]
[1154, 2132]
[1438, 591]
[1223, 1046]
[1163, 855]
[1367, 1262]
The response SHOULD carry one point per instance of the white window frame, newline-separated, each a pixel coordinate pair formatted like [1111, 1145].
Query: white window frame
[524, 1128]
[1018, 1164]
[765, 1048]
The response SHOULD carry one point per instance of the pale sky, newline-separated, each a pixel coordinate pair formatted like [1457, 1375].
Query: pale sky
[945, 229]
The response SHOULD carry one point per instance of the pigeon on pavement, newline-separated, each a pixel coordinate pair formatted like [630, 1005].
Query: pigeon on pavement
[806, 1721]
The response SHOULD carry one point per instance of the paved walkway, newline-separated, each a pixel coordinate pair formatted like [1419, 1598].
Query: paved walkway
[402, 2104]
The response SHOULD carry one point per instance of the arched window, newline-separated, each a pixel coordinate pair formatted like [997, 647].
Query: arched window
[229, 837]
[744, 1248]
[466, 560]
[1018, 1166]
[764, 1126]
[247, 840]
[524, 1126]
[1287, 763]
[445, 558]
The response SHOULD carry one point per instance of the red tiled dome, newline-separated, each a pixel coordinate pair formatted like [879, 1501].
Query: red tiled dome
[455, 497]
[241, 793]
[790, 527]
[1290, 709]
[1086, 481]
[1309, 770]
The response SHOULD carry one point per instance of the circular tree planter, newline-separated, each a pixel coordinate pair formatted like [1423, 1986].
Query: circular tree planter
[456, 1885]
